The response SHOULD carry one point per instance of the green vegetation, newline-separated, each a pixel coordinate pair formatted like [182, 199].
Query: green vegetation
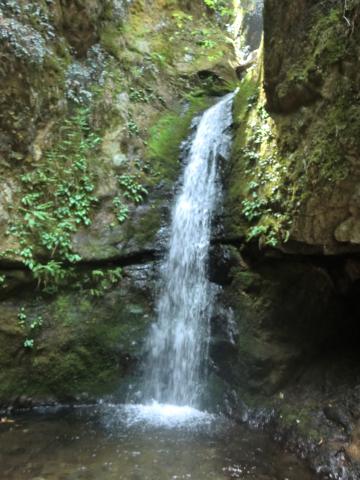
[57, 199]
[280, 161]
[166, 136]
[2, 281]
[99, 281]
[30, 326]
[120, 209]
[141, 95]
[328, 43]
[303, 418]
[131, 191]
[256, 188]
[83, 345]
[181, 18]
[220, 6]
[133, 128]
[264, 199]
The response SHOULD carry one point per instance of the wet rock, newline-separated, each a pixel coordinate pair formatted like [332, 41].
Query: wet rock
[337, 416]
[23, 402]
[80, 24]
[221, 262]
[269, 343]
[248, 62]
[120, 8]
[349, 231]
[6, 195]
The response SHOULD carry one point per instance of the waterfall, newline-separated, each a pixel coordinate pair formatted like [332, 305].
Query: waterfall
[178, 341]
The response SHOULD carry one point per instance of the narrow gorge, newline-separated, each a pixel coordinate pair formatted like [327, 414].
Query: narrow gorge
[180, 240]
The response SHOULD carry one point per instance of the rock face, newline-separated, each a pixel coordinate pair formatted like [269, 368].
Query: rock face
[96, 99]
[286, 332]
[76, 345]
[305, 130]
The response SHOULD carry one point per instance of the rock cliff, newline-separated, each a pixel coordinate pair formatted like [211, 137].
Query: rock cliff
[96, 99]
[289, 245]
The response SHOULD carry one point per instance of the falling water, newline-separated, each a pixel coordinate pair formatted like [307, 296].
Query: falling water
[178, 341]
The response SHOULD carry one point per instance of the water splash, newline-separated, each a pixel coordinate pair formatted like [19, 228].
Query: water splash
[166, 416]
[178, 341]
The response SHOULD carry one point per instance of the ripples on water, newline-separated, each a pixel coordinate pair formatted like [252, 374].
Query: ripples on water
[138, 442]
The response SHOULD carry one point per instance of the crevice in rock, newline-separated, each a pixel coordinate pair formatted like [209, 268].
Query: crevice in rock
[137, 258]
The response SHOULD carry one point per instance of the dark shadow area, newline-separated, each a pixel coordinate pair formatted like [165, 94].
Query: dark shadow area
[285, 320]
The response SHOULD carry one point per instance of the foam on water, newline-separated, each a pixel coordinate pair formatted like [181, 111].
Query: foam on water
[165, 415]
[157, 415]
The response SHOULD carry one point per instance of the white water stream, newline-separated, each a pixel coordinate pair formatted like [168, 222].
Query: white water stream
[178, 341]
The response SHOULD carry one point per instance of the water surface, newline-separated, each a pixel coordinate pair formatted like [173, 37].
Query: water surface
[138, 443]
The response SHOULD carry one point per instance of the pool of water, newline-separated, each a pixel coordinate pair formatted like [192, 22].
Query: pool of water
[109, 442]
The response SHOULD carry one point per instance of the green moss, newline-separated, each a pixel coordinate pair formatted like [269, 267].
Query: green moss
[246, 97]
[166, 136]
[279, 161]
[142, 231]
[256, 173]
[328, 35]
[65, 314]
[327, 43]
[110, 39]
[302, 418]
[85, 345]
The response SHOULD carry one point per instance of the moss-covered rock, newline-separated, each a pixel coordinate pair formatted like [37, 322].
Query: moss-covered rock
[294, 174]
[80, 344]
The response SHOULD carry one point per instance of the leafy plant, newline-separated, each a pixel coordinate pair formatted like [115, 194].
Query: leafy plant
[22, 316]
[30, 326]
[220, 6]
[121, 210]
[2, 281]
[253, 209]
[105, 280]
[132, 189]
[50, 272]
[29, 343]
[141, 95]
[181, 18]
[132, 127]
[99, 281]
[263, 207]
[158, 58]
[58, 198]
